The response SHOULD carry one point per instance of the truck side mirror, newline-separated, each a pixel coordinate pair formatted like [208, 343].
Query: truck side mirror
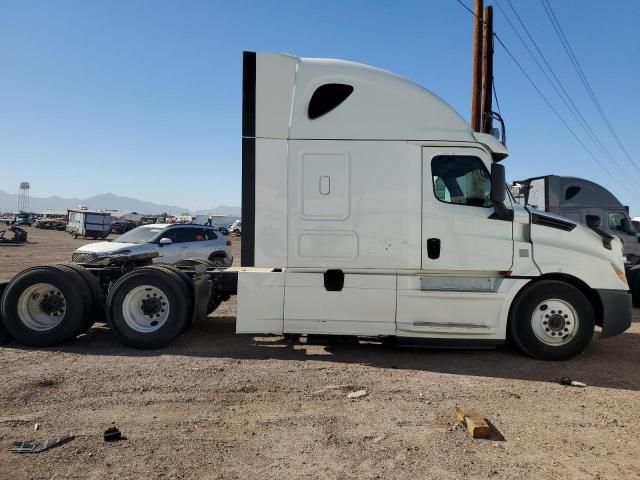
[499, 193]
[498, 182]
[593, 221]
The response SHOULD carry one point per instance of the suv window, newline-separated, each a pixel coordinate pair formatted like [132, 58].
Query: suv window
[190, 234]
[209, 234]
[461, 180]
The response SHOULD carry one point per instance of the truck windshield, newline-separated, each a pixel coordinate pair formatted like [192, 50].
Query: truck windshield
[139, 235]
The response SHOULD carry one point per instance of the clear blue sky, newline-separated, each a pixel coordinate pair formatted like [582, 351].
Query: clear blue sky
[143, 98]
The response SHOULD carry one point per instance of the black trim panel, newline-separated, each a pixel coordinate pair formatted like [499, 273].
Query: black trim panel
[552, 222]
[248, 159]
[249, 94]
[247, 250]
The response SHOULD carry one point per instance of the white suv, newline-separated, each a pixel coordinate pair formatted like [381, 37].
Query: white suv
[173, 242]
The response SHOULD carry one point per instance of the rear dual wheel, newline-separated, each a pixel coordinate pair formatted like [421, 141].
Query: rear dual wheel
[149, 307]
[4, 335]
[45, 306]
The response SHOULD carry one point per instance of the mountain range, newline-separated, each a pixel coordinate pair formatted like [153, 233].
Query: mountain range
[107, 201]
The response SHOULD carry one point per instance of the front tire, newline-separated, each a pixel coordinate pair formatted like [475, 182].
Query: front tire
[551, 320]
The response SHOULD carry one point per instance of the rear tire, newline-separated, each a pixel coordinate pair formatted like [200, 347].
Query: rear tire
[551, 320]
[187, 292]
[4, 335]
[96, 310]
[43, 306]
[147, 308]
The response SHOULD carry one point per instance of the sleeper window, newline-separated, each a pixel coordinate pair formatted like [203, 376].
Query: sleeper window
[326, 98]
[461, 180]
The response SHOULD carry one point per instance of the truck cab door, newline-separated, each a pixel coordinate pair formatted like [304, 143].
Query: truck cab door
[466, 250]
[458, 215]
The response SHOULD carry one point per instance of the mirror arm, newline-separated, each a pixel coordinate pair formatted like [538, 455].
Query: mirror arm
[501, 212]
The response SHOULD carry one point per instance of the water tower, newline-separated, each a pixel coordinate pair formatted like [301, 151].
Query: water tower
[23, 197]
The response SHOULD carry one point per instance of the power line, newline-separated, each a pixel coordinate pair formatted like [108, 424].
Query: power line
[495, 95]
[564, 95]
[469, 10]
[553, 109]
[576, 64]
[562, 120]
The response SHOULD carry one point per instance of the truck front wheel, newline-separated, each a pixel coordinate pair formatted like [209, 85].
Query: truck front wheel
[551, 320]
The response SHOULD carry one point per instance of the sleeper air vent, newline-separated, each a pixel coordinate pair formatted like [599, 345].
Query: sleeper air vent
[571, 192]
[326, 98]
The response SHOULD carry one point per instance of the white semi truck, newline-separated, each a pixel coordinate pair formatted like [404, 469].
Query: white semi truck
[370, 208]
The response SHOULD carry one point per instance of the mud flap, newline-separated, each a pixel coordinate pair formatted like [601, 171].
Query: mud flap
[201, 293]
[616, 311]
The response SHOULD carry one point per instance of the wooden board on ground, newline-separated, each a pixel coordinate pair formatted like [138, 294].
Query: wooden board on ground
[476, 425]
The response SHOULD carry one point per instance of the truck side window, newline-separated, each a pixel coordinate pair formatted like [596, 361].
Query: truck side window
[461, 180]
[615, 220]
[326, 98]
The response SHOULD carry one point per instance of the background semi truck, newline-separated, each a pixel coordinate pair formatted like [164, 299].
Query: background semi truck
[331, 152]
[583, 200]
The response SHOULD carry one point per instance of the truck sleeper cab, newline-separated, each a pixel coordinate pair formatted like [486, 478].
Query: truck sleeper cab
[367, 211]
[369, 208]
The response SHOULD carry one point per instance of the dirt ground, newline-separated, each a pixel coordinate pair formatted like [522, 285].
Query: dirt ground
[215, 405]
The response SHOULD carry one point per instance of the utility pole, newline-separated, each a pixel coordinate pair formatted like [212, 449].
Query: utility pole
[476, 94]
[487, 70]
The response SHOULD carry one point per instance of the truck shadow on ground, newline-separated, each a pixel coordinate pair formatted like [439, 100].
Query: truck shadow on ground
[609, 363]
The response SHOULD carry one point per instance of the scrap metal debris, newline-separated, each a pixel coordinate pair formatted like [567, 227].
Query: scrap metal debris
[29, 446]
[357, 394]
[13, 235]
[571, 383]
[112, 434]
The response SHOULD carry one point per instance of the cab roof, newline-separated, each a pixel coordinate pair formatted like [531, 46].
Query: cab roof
[361, 102]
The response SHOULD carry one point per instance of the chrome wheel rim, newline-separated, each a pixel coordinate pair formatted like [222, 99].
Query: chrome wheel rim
[41, 307]
[555, 322]
[145, 309]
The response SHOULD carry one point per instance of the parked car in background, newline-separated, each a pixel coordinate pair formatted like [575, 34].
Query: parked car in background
[173, 242]
[236, 228]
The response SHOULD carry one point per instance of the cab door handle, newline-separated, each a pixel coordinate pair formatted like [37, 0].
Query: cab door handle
[433, 248]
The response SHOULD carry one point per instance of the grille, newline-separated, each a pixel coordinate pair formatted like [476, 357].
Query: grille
[83, 257]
